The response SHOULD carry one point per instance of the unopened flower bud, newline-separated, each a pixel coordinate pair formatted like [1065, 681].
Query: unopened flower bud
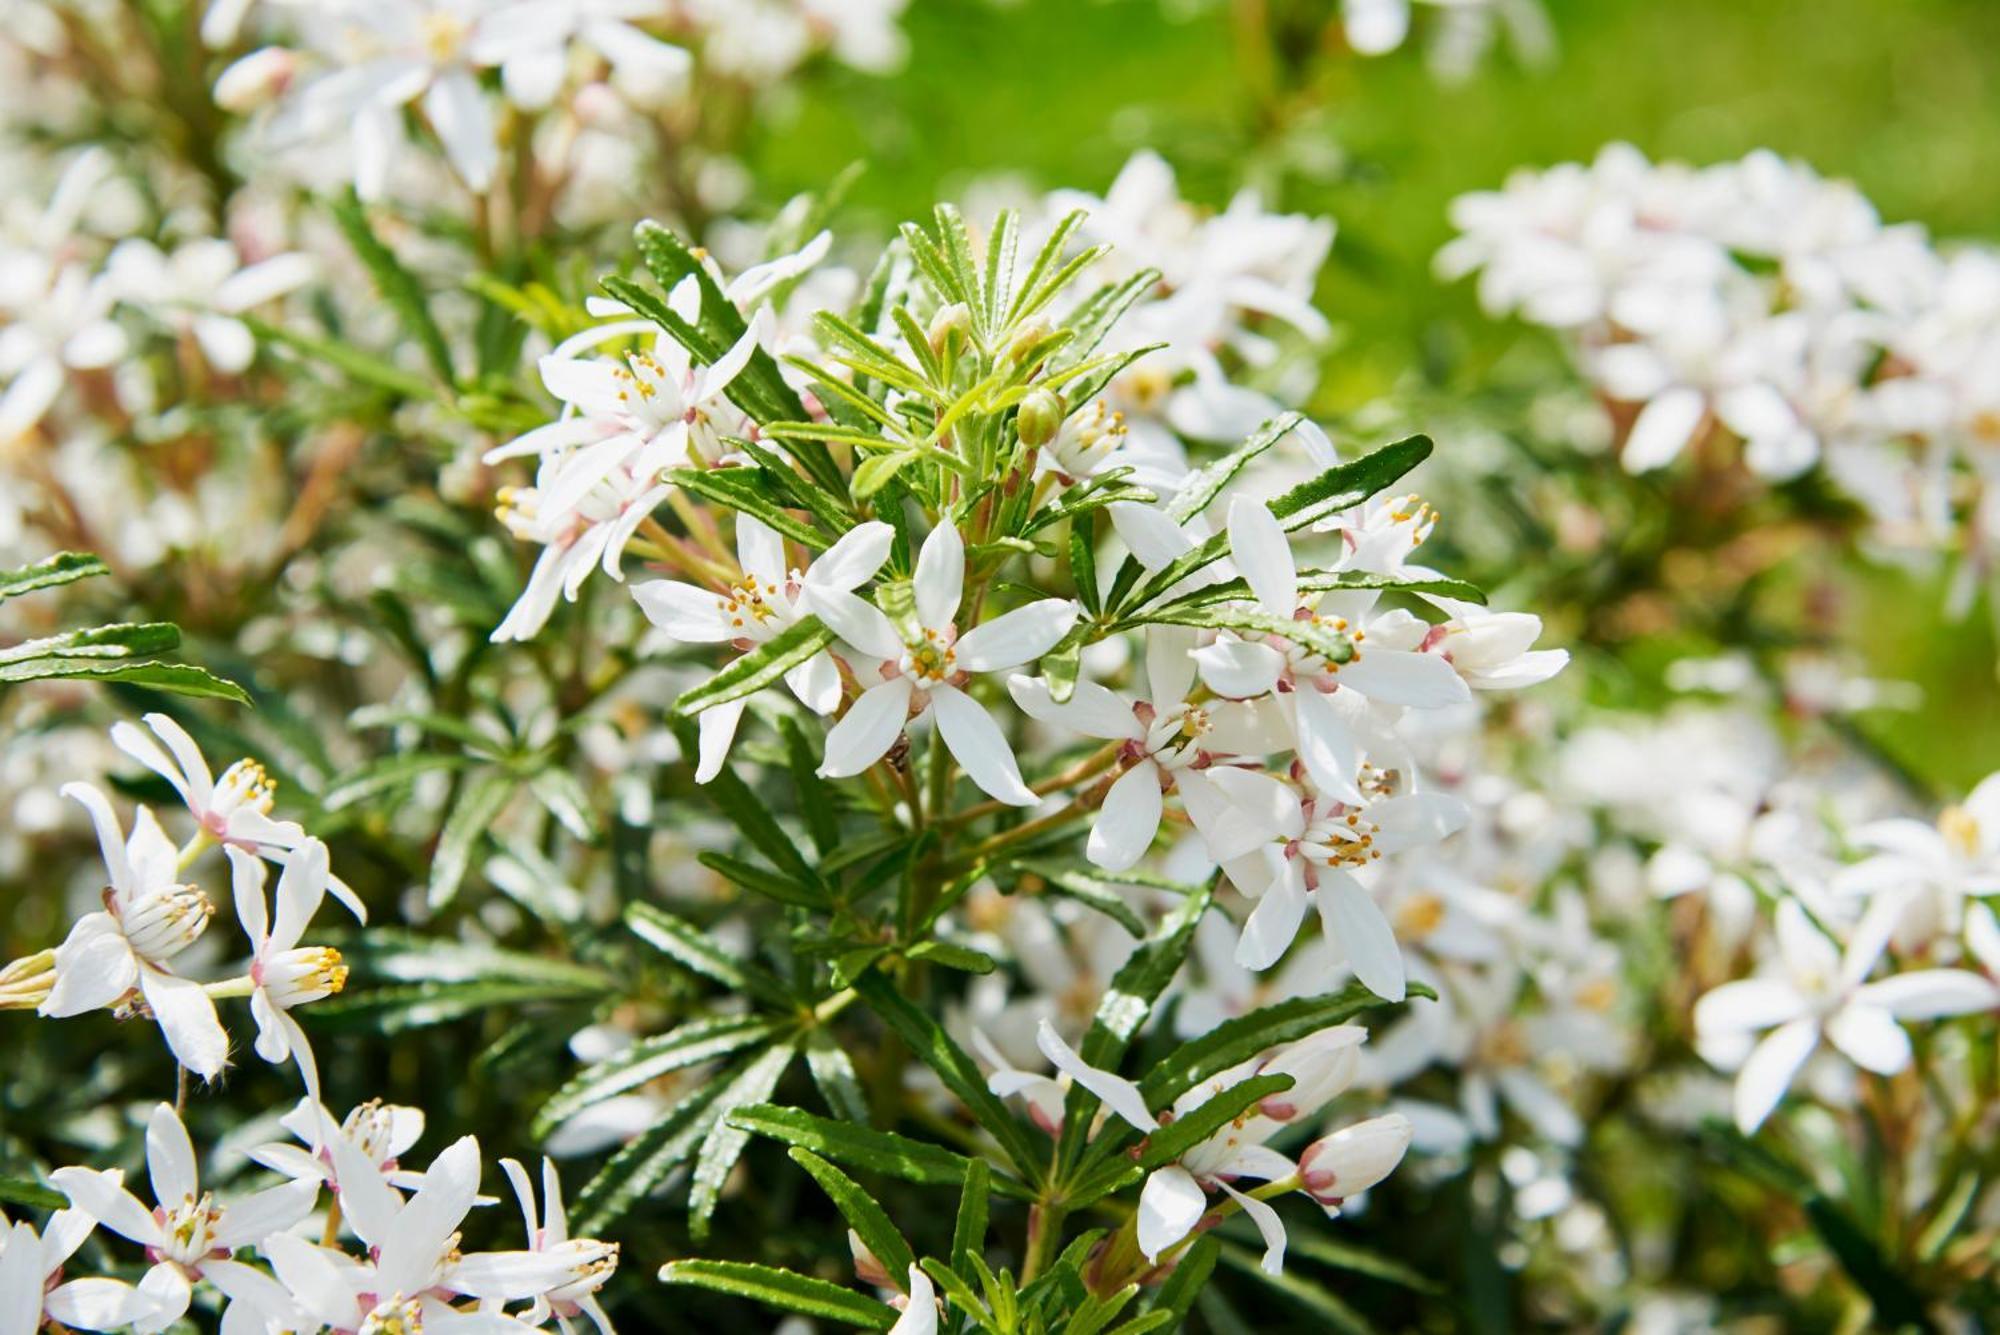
[867, 1268]
[255, 79]
[1040, 417]
[1026, 338]
[1353, 1159]
[162, 925]
[294, 977]
[955, 317]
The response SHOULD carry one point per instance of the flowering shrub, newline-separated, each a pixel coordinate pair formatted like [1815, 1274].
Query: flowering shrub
[932, 778]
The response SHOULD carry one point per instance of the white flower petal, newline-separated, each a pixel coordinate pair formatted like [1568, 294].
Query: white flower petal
[1274, 923]
[1238, 669]
[1170, 1205]
[940, 576]
[1118, 1094]
[1268, 1225]
[170, 1157]
[1768, 1073]
[188, 1021]
[979, 746]
[1263, 554]
[868, 729]
[1357, 925]
[1128, 820]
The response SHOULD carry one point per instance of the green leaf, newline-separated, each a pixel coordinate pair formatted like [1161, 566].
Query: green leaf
[562, 796]
[478, 803]
[31, 1195]
[1096, 314]
[961, 1075]
[816, 799]
[953, 956]
[685, 1045]
[1087, 888]
[1326, 581]
[723, 1145]
[833, 1074]
[751, 815]
[645, 1162]
[62, 568]
[763, 665]
[124, 639]
[1083, 562]
[781, 1289]
[393, 1010]
[1338, 488]
[1177, 1295]
[869, 1221]
[877, 471]
[389, 772]
[397, 285]
[349, 360]
[753, 491]
[173, 678]
[1045, 260]
[864, 1147]
[1239, 1039]
[773, 884]
[968, 1233]
[1328, 643]
[1200, 490]
[1172, 1141]
[1359, 1260]
[700, 952]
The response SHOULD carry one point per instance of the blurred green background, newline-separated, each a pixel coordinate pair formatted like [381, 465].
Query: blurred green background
[1901, 96]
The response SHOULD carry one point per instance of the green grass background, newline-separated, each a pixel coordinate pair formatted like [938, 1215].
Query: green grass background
[1901, 96]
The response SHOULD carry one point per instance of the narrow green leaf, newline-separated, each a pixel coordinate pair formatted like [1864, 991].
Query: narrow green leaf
[349, 360]
[723, 1145]
[968, 1233]
[816, 799]
[1239, 1039]
[1332, 645]
[1201, 489]
[953, 956]
[763, 665]
[645, 1162]
[31, 1195]
[124, 639]
[782, 1289]
[695, 949]
[397, 285]
[752, 491]
[833, 1074]
[386, 773]
[862, 1146]
[62, 568]
[1177, 1295]
[1087, 888]
[479, 802]
[961, 1075]
[1314, 1298]
[689, 1044]
[173, 678]
[869, 1221]
[776, 885]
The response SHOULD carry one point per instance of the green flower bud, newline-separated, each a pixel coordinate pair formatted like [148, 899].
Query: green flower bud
[1041, 416]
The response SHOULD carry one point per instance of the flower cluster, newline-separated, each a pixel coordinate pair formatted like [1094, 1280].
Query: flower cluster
[1758, 303]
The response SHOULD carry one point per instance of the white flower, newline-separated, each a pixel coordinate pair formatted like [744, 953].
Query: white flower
[32, 1288]
[592, 533]
[190, 1234]
[379, 1133]
[202, 288]
[1170, 743]
[590, 1262]
[1327, 701]
[1492, 651]
[531, 40]
[923, 672]
[770, 599]
[284, 974]
[67, 326]
[147, 919]
[1353, 1159]
[1175, 1196]
[1818, 992]
[234, 811]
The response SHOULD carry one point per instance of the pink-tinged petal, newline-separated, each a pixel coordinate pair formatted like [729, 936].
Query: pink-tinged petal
[110, 836]
[1416, 820]
[1663, 429]
[1118, 1094]
[1269, 1227]
[1748, 1005]
[95, 966]
[980, 748]
[921, 1316]
[867, 730]
[1263, 554]
[718, 729]
[1355, 922]
[1930, 994]
[1024, 634]
[1274, 923]
[1770, 1070]
[1170, 1205]
[1329, 748]
[1405, 677]
[859, 623]
[854, 559]
[1169, 664]
[1870, 1037]
[1090, 709]
[463, 121]
[104, 1198]
[688, 614]
[170, 1157]
[940, 577]
[1128, 820]
[188, 1022]
[1238, 669]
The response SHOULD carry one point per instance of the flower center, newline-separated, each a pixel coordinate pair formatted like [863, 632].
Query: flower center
[932, 659]
[1960, 829]
[163, 924]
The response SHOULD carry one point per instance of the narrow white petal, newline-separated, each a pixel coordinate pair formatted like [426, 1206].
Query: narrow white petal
[1128, 820]
[1238, 669]
[1024, 634]
[1268, 1225]
[1261, 551]
[1929, 994]
[940, 577]
[979, 746]
[689, 614]
[1356, 923]
[170, 1157]
[1274, 923]
[854, 559]
[1170, 1205]
[187, 1019]
[921, 1316]
[1114, 1091]
[718, 729]
[860, 623]
[1870, 1037]
[868, 729]
[1769, 1072]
